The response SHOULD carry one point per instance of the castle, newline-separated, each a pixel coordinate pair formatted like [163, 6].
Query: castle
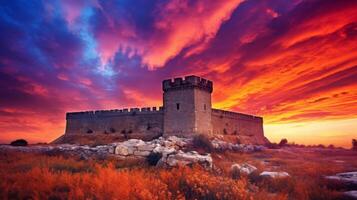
[186, 111]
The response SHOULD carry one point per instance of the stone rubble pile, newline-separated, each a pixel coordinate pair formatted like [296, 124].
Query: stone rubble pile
[244, 168]
[170, 150]
[352, 194]
[83, 151]
[348, 177]
[248, 169]
[221, 145]
[274, 174]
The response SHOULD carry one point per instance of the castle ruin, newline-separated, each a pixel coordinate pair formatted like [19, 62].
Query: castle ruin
[186, 111]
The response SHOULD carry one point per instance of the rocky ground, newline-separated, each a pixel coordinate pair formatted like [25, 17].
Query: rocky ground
[253, 161]
[333, 169]
[171, 151]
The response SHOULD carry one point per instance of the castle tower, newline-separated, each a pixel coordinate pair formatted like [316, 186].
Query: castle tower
[187, 106]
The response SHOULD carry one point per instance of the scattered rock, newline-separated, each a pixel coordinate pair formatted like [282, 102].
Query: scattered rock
[177, 141]
[220, 145]
[352, 193]
[170, 151]
[146, 147]
[133, 142]
[142, 153]
[123, 150]
[244, 168]
[188, 158]
[274, 174]
[348, 177]
[165, 151]
[171, 148]
[173, 142]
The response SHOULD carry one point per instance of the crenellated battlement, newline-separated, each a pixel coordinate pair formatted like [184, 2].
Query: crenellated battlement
[186, 111]
[187, 82]
[114, 112]
[236, 115]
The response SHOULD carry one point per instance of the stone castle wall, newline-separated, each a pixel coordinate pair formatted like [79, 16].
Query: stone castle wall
[126, 121]
[178, 115]
[187, 104]
[249, 128]
[203, 110]
[187, 110]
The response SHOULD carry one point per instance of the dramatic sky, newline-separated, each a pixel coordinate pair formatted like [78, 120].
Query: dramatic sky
[293, 62]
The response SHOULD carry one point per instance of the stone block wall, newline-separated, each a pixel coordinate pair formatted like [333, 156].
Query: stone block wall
[187, 106]
[202, 112]
[126, 121]
[179, 118]
[245, 126]
[187, 110]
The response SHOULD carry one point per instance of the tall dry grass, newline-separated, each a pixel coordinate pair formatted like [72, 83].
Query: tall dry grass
[33, 176]
[25, 176]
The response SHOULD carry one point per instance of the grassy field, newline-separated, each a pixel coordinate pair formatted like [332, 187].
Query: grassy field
[34, 176]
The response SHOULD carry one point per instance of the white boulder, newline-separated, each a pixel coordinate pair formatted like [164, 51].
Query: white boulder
[352, 193]
[274, 174]
[146, 147]
[123, 150]
[142, 153]
[244, 168]
[165, 151]
[182, 158]
[180, 142]
[350, 177]
[133, 142]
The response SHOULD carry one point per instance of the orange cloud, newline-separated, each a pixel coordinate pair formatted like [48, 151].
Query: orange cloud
[186, 25]
[319, 24]
[178, 24]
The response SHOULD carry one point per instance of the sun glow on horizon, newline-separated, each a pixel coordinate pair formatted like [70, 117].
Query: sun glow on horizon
[337, 132]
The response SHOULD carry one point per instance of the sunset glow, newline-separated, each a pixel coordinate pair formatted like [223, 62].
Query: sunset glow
[292, 62]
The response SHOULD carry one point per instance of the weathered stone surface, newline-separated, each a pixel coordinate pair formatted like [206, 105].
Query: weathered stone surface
[142, 153]
[124, 150]
[352, 193]
[182, 158]
[244, 168]
[133, 142]
[165, 151]
[170, 149]
[111, 150]
[173, 142]
[349, 177]
[274, 174]
[221, 145]
[146, 147]
[180, 142]
[193, 94]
